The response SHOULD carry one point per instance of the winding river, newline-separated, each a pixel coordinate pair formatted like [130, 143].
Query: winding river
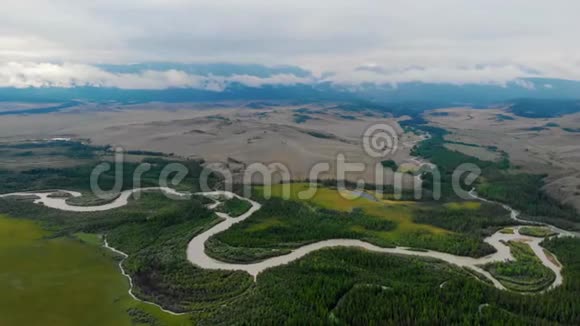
[196, 248]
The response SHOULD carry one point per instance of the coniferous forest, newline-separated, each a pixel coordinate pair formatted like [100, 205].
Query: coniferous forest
[331, 286]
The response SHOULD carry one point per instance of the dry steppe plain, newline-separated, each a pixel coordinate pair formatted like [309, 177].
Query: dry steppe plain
[541, 146]
[232, 134]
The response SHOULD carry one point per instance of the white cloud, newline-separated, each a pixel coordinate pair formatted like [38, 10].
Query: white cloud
[449, 39]
[279, 79]
[29, 74]
[525, 84]
[499, 75]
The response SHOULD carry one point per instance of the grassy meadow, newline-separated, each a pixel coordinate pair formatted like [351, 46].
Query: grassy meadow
[538, 232]
[234, 207]
[65, 281]
[399, 212]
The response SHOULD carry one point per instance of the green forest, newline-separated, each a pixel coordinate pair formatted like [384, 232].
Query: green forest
[234, 207]
[332, 286]
[525, 274]
[351, 286]
[281, 225]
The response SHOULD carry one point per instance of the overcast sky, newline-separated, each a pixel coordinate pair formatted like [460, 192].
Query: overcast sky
[457, 41]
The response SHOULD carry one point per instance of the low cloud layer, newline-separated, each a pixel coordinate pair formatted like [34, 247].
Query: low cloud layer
[22, 75]
[30, 74]
[346, 42]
